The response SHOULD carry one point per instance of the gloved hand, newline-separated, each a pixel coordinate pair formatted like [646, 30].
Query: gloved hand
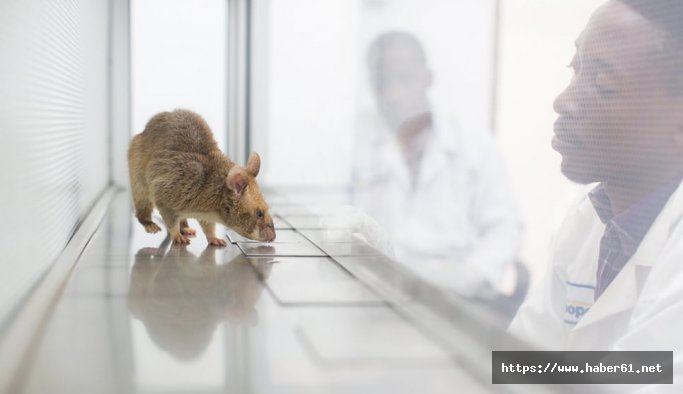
[341, 221]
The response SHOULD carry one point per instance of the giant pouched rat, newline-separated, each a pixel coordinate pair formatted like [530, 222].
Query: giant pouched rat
[175, 164]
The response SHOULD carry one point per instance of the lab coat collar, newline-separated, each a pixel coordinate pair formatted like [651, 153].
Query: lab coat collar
[444, 138]
[442, 144]
[624, 291]
[388, 162]
[441, 147]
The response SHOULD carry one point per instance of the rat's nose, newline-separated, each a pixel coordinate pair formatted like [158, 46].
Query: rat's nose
[271, 237]
[268, 234]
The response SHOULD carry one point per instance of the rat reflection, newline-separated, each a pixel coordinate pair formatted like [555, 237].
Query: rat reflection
[181, 299]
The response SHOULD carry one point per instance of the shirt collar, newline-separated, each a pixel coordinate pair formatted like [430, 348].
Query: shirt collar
[633, 223]
[445, 133]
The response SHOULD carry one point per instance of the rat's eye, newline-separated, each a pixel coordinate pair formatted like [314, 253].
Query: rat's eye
[259, 213]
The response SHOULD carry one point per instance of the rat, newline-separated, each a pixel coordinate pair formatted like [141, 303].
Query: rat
[176, 166]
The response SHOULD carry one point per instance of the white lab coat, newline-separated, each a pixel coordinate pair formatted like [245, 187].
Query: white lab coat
[642, 309]
[458, 227]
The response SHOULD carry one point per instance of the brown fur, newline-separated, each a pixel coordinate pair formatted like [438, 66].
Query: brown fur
[176, 166]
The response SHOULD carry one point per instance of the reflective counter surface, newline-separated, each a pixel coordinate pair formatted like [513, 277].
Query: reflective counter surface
[139, 315]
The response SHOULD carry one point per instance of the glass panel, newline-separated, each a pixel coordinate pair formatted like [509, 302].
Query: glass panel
[313, 91]
[389, 105]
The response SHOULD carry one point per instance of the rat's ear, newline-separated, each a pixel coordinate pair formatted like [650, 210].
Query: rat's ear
[237, 180]
[253, 164]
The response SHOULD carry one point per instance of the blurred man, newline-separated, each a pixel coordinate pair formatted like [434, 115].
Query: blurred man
[439, 191]
[616, 277]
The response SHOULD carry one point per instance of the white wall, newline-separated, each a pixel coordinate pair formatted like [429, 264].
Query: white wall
[179, 60]
[311, 91]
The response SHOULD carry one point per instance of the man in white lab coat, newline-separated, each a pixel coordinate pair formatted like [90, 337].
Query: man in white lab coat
[615, 281]
[439, 191]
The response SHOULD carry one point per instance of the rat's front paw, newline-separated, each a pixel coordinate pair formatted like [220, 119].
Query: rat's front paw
[188, 231]
[152, 228]
[216, 241]
[180, 240]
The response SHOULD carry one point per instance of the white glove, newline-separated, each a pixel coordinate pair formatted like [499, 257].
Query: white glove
[346, 219]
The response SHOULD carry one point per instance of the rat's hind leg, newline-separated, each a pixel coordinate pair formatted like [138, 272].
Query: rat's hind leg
[138, 186]
[185, 229]
[143, 211]
[173, 225]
